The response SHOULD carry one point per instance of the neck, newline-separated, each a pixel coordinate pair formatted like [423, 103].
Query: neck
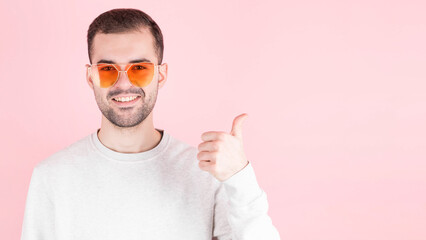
[139, 138]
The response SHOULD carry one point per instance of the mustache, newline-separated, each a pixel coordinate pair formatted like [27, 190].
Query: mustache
[117, 92]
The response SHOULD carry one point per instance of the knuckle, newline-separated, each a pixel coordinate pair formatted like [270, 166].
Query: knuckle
[214, 168]
[217, 146]
[218, 171]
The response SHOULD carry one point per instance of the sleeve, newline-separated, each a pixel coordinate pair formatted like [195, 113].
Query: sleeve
[38, 221]
[241, 209]
[221, 228]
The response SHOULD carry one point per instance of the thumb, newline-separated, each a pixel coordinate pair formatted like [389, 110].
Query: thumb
[237, 126]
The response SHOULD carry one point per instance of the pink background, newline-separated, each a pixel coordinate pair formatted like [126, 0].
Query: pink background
[335, 92]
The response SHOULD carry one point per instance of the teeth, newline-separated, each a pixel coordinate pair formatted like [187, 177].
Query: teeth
[125, 99]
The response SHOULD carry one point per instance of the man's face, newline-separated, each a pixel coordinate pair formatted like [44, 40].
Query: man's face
[124, 48]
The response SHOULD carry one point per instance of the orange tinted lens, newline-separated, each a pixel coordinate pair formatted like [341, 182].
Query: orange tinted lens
[141, 74]
[107, 75]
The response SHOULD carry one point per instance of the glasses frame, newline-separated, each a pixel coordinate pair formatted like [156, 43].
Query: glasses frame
[116, 65]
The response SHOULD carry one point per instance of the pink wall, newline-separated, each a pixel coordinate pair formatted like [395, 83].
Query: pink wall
[335, 92]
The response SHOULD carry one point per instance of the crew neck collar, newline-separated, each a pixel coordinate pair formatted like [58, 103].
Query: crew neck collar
[130, 157]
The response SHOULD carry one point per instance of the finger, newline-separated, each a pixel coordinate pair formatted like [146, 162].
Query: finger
[209, 146]
[237, 125]
[205, 166]
[207, 156]
[213, 135]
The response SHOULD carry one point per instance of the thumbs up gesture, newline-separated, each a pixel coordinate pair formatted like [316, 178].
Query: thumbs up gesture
[221, 153]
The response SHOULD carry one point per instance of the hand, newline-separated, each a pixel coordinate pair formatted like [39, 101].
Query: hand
[222, 154]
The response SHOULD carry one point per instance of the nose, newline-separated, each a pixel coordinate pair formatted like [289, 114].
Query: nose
[123, 80]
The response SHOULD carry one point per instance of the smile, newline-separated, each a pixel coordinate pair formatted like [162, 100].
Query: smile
[125, 99]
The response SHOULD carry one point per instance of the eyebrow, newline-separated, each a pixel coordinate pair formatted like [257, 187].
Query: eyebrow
[133, 61]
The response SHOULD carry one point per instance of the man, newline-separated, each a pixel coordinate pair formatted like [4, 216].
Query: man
[128, 180]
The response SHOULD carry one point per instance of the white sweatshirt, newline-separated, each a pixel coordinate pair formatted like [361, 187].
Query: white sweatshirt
[87, 191]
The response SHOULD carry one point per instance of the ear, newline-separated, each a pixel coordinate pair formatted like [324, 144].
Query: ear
[88, 78]
[162, 71]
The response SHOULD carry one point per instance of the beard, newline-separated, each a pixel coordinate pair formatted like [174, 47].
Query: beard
[128, 117]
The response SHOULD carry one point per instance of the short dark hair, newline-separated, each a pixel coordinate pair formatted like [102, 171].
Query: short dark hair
[121, 20]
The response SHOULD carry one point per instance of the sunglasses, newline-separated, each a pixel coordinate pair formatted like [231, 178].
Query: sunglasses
[105, 75]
